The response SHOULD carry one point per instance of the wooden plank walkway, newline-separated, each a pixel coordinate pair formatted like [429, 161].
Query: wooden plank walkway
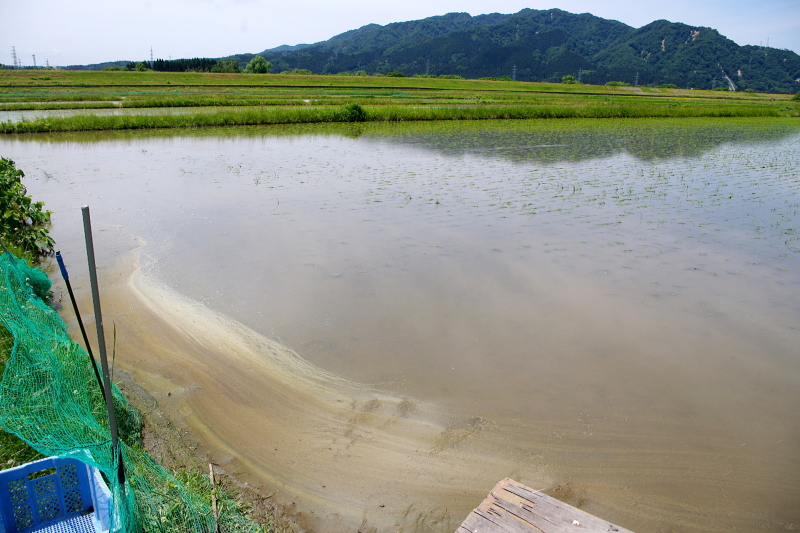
[512, 507]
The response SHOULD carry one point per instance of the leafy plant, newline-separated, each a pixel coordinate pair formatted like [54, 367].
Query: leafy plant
[23, 223]
[569, 78]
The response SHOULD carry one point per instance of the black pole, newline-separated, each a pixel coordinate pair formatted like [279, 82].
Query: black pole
[5, 250]
[65, 275]
[101, 342]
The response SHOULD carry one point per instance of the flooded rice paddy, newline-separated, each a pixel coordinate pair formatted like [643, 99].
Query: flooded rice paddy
[380, 322]
[34, 114]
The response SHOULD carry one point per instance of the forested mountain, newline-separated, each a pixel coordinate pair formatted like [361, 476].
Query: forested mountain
[544, 45]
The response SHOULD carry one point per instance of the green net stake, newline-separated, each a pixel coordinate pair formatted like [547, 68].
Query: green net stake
[65, 275]
[101, 341]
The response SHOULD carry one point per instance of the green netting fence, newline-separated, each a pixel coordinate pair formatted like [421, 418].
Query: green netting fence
[50, 399]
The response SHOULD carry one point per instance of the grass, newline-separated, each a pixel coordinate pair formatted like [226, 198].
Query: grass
[388, 113]
[252, 99]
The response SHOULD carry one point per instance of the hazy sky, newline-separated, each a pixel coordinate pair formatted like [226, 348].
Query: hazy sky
[93, 31]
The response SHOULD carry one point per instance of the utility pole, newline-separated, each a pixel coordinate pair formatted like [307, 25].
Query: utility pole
[514, 72]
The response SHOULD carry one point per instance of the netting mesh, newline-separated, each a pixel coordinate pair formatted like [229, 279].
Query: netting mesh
[50, 399]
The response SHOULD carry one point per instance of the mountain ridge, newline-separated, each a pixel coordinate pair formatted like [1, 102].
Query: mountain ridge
[541, 45]
[546, 45]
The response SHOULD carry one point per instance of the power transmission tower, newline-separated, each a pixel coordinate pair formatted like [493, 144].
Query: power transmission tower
[34, 60]
[636, 83]
[151, 57]
[14, 57]
[47, 63]
[514, 73]
[580, 74]
[427, 67]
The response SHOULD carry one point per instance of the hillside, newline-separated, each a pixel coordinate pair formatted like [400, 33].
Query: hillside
[545, 45]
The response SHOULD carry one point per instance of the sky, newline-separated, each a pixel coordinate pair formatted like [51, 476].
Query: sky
[94, 31]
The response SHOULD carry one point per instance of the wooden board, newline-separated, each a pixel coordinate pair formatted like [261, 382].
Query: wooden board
[512, 507]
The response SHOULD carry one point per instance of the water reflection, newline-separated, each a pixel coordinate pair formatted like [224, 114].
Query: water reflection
[543, 141]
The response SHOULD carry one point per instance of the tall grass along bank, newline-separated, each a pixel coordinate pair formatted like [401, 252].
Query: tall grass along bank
[295, 115]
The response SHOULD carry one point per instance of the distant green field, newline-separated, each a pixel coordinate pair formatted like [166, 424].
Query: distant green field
[287, 98]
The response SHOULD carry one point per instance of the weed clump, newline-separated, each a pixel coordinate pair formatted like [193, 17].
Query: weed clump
[353, 113]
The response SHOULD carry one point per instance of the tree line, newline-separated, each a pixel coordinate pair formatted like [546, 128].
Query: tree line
[257, 65]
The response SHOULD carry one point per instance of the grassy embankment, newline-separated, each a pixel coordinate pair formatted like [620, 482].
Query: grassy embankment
[24, 232]
[252, 99]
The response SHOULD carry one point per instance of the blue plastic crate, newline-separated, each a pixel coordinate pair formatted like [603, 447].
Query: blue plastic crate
[53, 495]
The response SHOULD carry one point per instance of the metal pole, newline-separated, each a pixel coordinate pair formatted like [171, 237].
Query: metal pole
[101, 341]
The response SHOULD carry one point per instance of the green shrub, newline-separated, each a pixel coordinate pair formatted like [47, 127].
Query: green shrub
[224, 66]
[353, 113]
[569, 78]
[721, 88]
[617, 84]
[450, 77]
[258, 65]
[666, 86]
[796, 97]
[424, 75]
[113, 68]
[23, 223]
[395, 74]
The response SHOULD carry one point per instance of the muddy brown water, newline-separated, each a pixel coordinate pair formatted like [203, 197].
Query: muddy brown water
[380, 322]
